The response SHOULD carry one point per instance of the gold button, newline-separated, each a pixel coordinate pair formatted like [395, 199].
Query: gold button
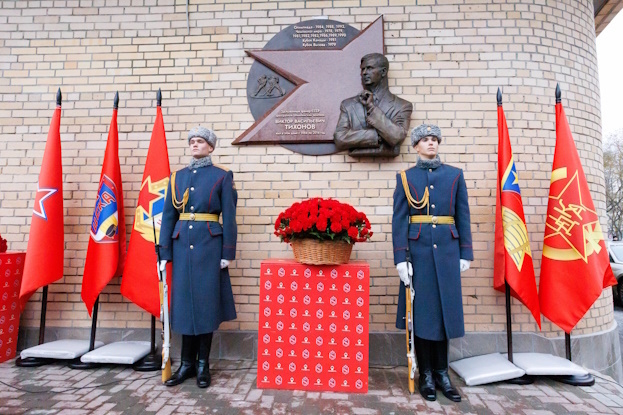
[432, 187]
[192, 216]
[190, 227]
[192, 189]
[192, 208]
[432, 206]
[192, 247]
[434, 246]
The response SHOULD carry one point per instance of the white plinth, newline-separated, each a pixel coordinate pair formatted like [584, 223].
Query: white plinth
[489, 368]
[542, 364]
[59, 349]
[121, 353]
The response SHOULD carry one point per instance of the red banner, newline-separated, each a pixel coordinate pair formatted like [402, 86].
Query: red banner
[513, 256]
[313, 326]
[107, 247]
[575, 267]
[140, 278]
[11, 268]
[44, 263]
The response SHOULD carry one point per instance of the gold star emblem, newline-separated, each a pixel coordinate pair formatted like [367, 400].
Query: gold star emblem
[156, 191]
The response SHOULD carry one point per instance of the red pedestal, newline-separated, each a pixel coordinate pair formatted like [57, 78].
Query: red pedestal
[11, 268]
[313, 326]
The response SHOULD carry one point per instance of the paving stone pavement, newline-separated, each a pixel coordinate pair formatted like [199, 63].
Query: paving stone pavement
[56, 389]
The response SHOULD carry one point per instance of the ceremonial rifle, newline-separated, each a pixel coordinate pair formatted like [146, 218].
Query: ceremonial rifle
[410, 295]
[164, 313]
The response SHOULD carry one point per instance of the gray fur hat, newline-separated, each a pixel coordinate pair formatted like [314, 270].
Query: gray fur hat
[425, 130]
[204, 133]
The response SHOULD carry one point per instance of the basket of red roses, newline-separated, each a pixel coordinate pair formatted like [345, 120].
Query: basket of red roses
[322, 231]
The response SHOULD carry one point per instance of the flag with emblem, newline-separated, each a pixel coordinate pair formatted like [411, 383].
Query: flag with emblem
[575, 267]
[44, 255]
[513, 257]
[140, 278]
[107, 246]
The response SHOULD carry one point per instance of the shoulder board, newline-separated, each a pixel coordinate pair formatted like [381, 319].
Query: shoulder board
[456, 169]
[221, 167]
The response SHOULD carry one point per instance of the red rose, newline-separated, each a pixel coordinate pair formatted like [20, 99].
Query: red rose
[321, 223]
[336, 227]
[353, 232]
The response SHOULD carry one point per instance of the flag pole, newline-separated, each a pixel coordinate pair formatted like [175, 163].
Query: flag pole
[77, 363]
[509, 328]
[575, 380]
[153, 361]
[525, 379]
[37, 361]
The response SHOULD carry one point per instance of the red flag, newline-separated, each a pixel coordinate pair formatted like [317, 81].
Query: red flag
[106, 251]
[575, 267]
[140, 279]
[44, 257]
[513, 257]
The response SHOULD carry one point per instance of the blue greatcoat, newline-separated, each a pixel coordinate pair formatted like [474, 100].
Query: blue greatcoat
[435, 250]
[201, 294]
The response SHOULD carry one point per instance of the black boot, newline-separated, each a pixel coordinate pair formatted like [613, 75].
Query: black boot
[187, 367]
[440, 372]
[203, 363]
[424, 362]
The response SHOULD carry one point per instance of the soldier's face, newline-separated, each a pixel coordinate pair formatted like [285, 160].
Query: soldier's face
[427, 147]
[371, 72]
[199, 147]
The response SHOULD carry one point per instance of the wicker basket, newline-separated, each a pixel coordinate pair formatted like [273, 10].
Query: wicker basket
[314, 252]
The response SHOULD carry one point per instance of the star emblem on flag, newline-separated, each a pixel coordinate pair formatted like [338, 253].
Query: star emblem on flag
[573, 222]
[150, 204]
[510, 182]
[42, 194]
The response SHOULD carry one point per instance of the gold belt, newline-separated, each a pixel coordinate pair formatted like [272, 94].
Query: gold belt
[437, 220]
[201, 217]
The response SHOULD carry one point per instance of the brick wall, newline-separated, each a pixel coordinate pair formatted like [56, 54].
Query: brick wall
[446, 57]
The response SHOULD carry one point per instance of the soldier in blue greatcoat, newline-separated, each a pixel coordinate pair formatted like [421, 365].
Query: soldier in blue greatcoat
[201, 250]
[431, 219]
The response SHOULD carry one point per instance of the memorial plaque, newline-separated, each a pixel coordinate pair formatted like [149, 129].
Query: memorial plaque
[297, 82]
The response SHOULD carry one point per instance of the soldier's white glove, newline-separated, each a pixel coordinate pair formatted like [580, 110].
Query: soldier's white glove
[463, 265]
[224, 263]
[405, 270]
[163, 265]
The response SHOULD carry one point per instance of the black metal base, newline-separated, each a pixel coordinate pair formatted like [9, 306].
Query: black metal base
[524, 380]
[32, 362]
[149, 363]
[575, 380]
[79, 365]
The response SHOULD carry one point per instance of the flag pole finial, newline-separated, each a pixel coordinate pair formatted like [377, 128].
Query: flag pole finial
[159, 98]
[499, 98]
[558, 94]
[59, 97]
[116, 104]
